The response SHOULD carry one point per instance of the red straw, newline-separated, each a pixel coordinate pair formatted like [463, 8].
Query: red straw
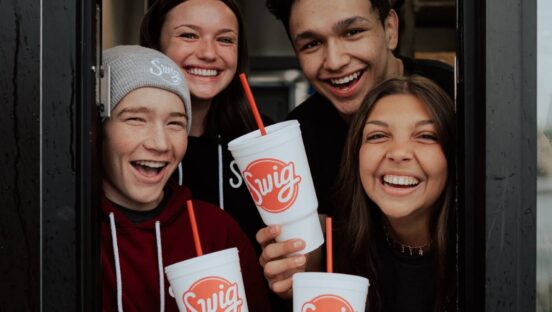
[195, 232]
[329, 255]
[252, 103]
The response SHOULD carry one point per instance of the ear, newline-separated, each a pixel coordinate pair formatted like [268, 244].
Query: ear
[392, 30]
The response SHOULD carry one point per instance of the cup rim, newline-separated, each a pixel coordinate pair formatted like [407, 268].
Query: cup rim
[326, 277]
[206, 261]
[252, 137]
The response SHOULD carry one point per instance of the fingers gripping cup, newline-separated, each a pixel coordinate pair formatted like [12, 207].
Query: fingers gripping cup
[329, 292]
[208, 283]
[275, 169]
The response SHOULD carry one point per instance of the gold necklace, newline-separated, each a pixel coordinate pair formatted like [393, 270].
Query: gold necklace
[404, 248]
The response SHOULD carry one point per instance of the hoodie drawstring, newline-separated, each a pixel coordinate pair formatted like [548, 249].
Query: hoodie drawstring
[180, 173]
[220, 177]
[160, 266]
[118, 264]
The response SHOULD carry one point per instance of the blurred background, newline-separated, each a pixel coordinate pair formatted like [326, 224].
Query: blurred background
[544, 155]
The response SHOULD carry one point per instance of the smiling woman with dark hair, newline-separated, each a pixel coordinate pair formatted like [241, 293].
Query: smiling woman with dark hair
[397, 222]
[206, 38]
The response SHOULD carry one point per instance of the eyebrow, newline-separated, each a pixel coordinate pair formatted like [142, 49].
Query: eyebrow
[304, 35]
[178, 114]
[196, 28]
[377, 123]
[338, 27]
[344, 23]
[424, 122]
[384, 124]
[135, 110]
[145, 110]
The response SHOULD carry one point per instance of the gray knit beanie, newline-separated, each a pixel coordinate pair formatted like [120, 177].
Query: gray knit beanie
[134, 67]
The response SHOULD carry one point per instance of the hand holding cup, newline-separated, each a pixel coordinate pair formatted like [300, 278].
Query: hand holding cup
[280, 260]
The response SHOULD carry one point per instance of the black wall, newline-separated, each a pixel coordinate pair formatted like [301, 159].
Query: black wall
[48, 252]
[20, 155]
[59, 156]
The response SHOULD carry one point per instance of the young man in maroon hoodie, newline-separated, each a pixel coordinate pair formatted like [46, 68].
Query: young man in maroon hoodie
[145, 225]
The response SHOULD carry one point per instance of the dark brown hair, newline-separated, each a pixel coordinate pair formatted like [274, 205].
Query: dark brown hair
[229, 114]
[281, 9]
[359, 219]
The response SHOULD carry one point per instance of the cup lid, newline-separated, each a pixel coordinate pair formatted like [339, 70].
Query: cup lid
[276, 134]
[203, 262]
[330, 280]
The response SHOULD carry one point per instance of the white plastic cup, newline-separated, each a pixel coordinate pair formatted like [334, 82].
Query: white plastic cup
[325, 292]
[212, 282]
[276, 171]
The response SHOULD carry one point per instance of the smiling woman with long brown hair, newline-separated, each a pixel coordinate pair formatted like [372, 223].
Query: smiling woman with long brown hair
[206, 38]
[397, 218]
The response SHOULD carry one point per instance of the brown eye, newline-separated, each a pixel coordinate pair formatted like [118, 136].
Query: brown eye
[188, 36]
[428, 137]
[310, 45]
[135, 120]
[375, 137]
[179, 124]
[227, 40]
[353, 32]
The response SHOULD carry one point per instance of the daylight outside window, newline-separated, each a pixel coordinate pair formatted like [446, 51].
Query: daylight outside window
[544, 156]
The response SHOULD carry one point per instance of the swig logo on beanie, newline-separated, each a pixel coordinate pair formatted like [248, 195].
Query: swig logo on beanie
[165, 71]
[131, 67]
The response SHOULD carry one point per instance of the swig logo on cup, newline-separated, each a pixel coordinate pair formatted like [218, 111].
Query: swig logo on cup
[272, 183]
[165, 71]
[327, 303]
[212, 294]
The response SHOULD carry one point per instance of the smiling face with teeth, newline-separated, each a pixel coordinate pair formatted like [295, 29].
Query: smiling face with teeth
[202, 37]
[344, 48]
[144, 140]
[402, 166]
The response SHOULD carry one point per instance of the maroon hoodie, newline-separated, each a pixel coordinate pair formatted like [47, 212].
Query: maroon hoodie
[138, 252]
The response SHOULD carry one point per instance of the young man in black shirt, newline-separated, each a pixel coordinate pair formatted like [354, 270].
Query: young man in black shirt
[345, 48]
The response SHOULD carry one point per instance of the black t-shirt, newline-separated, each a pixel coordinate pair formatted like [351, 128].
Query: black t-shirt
[407, 282]
[324, 131]
[440, 73]
[136, 216]
[200, 168]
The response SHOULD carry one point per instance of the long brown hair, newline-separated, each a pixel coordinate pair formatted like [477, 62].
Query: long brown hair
[228, 115]
[359, 218]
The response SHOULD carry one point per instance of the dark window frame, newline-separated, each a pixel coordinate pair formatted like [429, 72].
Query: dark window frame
[497, 156]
